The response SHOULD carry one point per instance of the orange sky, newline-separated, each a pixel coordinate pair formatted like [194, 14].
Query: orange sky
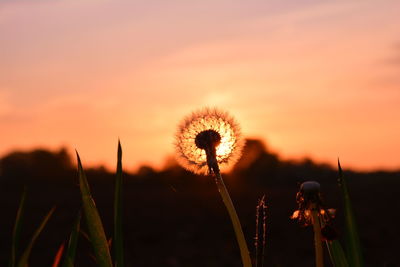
[315, 78]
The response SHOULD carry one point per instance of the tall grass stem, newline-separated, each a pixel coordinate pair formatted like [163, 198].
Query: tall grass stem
[70, 252]
[23, 261]
[261, 227]
[118, 234]
[353, 242]
[17, 229]
[93, 221]
[244, 251]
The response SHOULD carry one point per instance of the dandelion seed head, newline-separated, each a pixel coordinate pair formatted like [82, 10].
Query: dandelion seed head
[207, 138]
[309, 198]
[204, 127]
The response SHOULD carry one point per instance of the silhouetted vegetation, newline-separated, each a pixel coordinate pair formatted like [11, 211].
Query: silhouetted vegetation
[170, 216]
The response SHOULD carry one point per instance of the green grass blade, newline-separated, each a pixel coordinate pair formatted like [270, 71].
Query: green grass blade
[23, 261]
[118, 237]
[338, 258]
[353, 247]
[17, 229]
[70, 252]
[95, 226]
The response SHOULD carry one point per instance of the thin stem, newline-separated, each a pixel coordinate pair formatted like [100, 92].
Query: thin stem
[264, 230]
[261, 226]
[319, 260]
[244, 252]
[257, 241]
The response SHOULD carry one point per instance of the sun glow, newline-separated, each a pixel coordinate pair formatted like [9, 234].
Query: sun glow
[228, 140]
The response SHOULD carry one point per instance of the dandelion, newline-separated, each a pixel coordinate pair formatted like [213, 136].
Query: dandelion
[309, 198]
[207, 140]
[312, 212]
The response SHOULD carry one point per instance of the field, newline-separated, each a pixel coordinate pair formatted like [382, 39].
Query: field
[175, 218]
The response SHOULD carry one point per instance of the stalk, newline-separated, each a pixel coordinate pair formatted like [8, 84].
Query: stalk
[244, 252]
[261, 226]
[209, 140]
[319, 260]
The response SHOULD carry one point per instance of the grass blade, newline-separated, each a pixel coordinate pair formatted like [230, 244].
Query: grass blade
[338, 258]
[58, 256]
[352, 238]
[23, 261]
[95, 226]
[118, 237]
[17, 229]
[72, 244]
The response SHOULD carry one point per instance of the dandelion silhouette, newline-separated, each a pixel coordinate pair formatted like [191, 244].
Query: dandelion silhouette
[206, 140]
[309, 199]
[312, 212]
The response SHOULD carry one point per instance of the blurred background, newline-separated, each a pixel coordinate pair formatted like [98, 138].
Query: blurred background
[312, 77]
[309, 81]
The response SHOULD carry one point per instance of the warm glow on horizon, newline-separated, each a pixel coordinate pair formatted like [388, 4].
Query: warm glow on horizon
[310, 78]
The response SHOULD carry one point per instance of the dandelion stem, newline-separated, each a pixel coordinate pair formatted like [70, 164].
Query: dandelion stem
[319, 260]
[244, 252]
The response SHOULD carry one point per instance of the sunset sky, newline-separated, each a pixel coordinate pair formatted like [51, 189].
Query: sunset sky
[311, 78]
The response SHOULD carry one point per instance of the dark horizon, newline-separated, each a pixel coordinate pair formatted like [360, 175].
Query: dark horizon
[175, 218]
[170, 160]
